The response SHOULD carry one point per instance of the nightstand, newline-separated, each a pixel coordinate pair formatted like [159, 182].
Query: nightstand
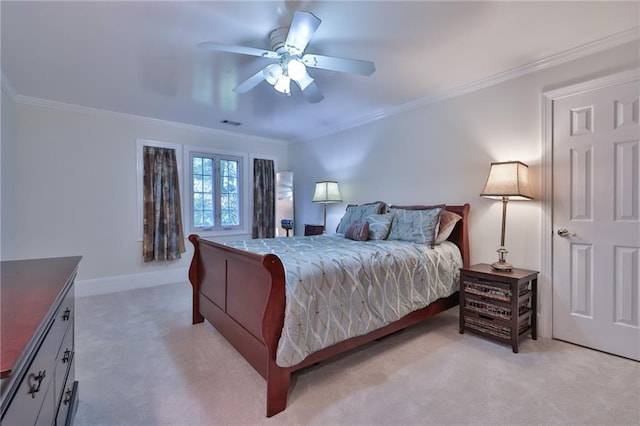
[499, 305]
[313, 230]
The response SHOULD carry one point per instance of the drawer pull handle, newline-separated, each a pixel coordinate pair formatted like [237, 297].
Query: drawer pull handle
[66, 357]
[67, 397]
[34, 388]
[66, 314]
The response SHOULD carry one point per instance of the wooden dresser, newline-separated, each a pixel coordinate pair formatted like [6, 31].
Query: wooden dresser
[38, 385]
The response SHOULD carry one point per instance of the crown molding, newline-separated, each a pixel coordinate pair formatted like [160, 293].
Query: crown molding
[7, 87]
[45, 103]
[586, 49]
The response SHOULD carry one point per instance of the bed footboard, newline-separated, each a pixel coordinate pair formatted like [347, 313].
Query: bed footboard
[249, 313]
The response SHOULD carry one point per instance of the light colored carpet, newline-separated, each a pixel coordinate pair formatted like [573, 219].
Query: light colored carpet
[139, 361]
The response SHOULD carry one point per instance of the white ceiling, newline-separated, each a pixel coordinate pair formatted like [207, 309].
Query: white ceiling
[141, 57]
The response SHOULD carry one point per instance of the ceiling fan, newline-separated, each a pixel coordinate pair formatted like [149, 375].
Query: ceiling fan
[290, 60]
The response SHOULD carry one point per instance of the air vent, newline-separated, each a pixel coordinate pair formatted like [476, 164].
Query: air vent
[231, 122]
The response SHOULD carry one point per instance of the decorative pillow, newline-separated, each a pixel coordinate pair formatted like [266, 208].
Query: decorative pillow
[418, 226]
[448, 221]
[394, 233]
[379, 225]
[358, 231]
[359, 213]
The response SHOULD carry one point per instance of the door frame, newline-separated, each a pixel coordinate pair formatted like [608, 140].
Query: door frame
[545, 282]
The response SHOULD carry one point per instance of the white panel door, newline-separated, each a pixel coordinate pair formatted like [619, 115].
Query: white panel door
[596, 218]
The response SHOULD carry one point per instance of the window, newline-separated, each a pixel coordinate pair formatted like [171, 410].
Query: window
[216, 192]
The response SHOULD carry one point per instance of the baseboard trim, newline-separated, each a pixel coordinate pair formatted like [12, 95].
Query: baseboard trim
[118, 283]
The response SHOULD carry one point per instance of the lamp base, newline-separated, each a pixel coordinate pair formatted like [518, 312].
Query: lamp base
[501, 265]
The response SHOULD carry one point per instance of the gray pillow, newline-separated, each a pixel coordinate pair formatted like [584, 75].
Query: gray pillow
[418, 226]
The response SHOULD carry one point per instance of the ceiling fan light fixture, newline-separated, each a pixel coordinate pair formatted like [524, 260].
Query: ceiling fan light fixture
[289, 60]
[272, 73]
[283, 85]
[296, 69]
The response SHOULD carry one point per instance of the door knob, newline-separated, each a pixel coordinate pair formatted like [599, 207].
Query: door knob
[563, 232]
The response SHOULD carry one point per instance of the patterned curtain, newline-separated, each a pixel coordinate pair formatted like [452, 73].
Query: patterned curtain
[163, 238]
[264, 201]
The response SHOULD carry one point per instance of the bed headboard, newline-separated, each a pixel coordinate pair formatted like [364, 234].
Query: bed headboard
[460, 234]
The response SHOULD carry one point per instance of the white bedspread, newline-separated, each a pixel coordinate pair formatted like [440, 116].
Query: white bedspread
[337, 288]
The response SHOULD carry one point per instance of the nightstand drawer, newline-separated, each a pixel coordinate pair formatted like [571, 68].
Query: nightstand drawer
[491, 289]
[494, 308]
[492, 326]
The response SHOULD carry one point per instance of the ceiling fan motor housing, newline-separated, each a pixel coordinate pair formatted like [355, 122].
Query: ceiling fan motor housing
[277, 38]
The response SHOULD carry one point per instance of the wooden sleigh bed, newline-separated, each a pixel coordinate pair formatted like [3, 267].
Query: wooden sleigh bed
[242, 295]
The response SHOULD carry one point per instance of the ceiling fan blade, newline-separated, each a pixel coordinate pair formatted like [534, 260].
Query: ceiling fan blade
[303, 26]
[304, 81]
[243, 50]
[312, 93]
[331, 63]
[250, 83]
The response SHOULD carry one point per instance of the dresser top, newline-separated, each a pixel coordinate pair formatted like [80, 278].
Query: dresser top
[30, 291]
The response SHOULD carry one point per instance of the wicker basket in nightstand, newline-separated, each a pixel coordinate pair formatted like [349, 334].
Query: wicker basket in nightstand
[498, 305]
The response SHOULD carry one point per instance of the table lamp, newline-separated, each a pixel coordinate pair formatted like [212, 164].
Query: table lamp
[326, 192]
[507, 181]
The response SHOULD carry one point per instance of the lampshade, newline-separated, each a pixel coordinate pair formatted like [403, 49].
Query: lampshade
[272, 73]
[296, 69]
[327, 192]
[509, 179]
[283, 85]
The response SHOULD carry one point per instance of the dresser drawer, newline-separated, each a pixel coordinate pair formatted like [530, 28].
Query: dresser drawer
[48, 409]
[69, 398]
[65, 312]
[63, 362]
[36, 382]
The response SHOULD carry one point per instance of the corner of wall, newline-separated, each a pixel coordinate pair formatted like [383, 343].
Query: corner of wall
[97, 286]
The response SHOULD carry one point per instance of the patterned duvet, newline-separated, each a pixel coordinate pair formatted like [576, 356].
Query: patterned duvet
[337, 288]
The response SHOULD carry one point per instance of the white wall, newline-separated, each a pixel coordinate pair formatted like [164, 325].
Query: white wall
[6, 167]
[71, 186]
[6, 145]
[442, 153]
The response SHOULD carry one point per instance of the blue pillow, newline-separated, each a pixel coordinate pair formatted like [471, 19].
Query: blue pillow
[379, 225]
[417, 226]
